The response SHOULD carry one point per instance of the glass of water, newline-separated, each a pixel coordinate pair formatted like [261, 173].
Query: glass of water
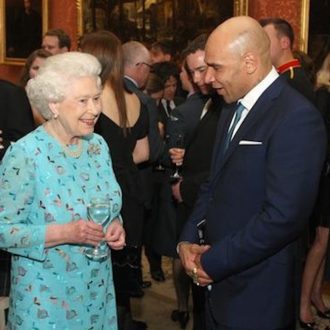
[98, 211]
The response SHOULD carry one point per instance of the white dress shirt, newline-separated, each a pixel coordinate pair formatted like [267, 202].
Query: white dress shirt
[253, 95]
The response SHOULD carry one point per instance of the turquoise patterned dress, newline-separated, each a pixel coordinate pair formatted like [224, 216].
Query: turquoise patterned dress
[57, 287]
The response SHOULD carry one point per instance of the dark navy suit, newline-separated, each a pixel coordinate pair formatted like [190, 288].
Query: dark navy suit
[257, 202]
[15, 114]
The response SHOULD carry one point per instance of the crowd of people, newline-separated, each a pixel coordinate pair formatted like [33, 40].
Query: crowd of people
[218, 159]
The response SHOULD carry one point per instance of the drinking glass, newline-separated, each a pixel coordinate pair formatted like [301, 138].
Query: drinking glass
[98, 211]
[178, 142]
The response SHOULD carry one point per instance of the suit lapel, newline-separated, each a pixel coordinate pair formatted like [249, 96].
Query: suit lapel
[224, 122]
[260, 109]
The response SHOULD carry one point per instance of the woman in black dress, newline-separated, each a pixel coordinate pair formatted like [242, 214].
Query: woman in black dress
[311, 293]
[123, 123]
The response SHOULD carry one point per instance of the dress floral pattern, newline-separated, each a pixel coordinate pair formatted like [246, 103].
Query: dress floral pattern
[57, 287]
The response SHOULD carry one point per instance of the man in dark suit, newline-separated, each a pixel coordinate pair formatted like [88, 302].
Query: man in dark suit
[15, 114]
[187, 115]
[281, 37]
[269, 152]
[15, 121]
[197, 118]
[168, 73]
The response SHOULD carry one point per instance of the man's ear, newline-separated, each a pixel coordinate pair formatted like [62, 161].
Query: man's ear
[53, 106]
[285, 42]
[250, 62]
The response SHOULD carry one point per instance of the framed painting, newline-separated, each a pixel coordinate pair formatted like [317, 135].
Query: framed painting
[22, 25]
[318, 30]
[151, 20]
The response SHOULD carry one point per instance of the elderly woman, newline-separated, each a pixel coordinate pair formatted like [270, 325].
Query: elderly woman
[48, 179]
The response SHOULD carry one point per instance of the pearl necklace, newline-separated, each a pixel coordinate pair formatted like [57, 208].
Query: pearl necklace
[76, 153]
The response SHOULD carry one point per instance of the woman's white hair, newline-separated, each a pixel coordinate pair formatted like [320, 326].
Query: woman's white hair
[54, 77]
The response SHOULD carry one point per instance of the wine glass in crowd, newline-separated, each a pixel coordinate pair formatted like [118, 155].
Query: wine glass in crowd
[98, 211]
[177, 141]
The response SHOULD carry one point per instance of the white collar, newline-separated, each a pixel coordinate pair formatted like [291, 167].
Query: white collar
[253, 95]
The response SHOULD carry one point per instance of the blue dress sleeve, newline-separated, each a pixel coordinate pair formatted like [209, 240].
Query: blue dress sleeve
[19, 233]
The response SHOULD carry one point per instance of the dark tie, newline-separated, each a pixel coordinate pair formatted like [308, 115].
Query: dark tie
[168, 108]
[237, 116]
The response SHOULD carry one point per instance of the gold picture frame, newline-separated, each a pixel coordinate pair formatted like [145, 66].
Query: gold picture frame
[304, 25]
[240, 7]
[18, 40]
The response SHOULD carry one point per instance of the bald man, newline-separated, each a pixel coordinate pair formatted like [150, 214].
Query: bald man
[269, 151]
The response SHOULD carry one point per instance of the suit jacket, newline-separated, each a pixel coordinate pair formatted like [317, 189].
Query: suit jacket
[162, 114]
[198, 155]
[256, 203]
[298, 79]
[186, 116]
[16, 118]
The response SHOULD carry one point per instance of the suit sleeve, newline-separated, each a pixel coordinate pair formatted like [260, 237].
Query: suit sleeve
[295, 156]
[18, 116]
[156, 144]
[189, 188]
[189, 232]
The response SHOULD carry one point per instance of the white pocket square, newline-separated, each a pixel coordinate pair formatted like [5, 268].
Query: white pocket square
[251, 143]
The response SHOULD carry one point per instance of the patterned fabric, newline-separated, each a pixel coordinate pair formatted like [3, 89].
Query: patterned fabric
[57, 287]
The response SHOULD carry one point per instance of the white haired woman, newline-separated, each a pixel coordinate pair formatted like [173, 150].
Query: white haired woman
[48, 178]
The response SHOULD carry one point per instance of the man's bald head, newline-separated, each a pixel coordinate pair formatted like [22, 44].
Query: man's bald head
[238, 47]
[241, 35]
[137, 61]
[135, 52]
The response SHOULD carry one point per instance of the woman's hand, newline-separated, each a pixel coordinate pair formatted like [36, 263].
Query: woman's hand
[115, 235]
[74, 232]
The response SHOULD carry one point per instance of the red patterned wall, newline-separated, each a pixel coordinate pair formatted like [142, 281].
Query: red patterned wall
[289, 10]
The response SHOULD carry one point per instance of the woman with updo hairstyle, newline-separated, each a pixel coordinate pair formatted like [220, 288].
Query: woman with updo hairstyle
[48, 179]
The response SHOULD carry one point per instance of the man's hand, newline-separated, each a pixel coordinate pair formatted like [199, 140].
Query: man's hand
[190, 255]
[177, 155]
[200, 276]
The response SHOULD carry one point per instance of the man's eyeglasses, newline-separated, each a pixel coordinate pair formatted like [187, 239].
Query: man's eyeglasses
[145, 63]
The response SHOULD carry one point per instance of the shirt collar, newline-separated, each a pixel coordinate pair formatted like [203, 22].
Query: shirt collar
[132, 80]
[253, 95]
[287, 66]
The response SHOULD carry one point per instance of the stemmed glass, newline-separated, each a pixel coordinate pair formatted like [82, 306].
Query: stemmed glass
[178, 142]
[99, 211]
